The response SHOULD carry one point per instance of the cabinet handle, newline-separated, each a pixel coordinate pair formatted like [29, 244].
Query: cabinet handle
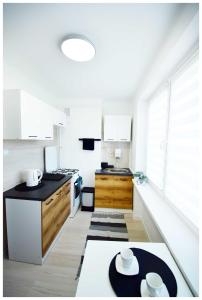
[60, 123]
[104, 178]
[48, 137]
[124, 139]
[58, 193]
[110, 139]
[50, 201]
[33, 135]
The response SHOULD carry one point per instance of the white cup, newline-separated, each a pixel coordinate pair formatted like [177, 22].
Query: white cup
[154, 284]
[127, 257]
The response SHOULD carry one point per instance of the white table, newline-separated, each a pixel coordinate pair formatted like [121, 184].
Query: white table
[94, 278]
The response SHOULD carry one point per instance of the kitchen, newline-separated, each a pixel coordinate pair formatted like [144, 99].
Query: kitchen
[83, 147]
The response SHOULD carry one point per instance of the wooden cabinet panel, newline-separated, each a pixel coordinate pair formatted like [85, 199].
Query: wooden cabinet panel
[113, 194]
[113, 182]
[55, 211]
[103, 203]
[113, 191]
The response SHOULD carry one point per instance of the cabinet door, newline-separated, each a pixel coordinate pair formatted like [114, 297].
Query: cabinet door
[113, 191]
[123, 125]
[110, 131]
[55, 211]
[58, 117]
[46, 123]
[117, 128]
[30, 117]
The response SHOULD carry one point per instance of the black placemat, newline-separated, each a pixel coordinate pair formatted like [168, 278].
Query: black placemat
[129, 286]
[23, 188]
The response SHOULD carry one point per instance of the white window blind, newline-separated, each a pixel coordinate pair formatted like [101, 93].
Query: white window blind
[182, 162]
[157, 130]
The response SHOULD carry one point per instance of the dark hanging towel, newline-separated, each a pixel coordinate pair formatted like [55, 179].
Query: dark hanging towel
[88, 144]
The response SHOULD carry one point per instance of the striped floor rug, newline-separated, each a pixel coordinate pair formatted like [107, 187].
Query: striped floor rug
[105, 227]
[108, 227]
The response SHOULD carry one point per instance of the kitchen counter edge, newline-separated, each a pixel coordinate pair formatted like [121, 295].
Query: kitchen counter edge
[103, 172]
[41, 194]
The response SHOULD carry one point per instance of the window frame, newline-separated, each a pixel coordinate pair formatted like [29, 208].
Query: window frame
[167, 84]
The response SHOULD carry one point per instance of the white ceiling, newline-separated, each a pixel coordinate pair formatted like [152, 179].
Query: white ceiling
[126, 37]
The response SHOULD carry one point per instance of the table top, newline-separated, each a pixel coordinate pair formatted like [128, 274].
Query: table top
[94, 277]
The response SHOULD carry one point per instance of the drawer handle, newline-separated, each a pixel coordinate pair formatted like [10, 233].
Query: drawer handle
[123, 179]
[58, 193]
[48, 137]
[34, 136]
[50, 201]
[104, 178]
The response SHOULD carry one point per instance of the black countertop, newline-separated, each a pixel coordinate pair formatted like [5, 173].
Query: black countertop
[41, 194]
[105, 172]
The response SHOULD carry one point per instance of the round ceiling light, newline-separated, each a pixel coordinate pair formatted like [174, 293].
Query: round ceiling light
[78, 48]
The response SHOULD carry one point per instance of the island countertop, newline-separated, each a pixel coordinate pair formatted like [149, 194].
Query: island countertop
[40, 194]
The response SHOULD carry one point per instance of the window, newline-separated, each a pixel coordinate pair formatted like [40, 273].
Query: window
[157, 124]
[182, 172]
[173, 154]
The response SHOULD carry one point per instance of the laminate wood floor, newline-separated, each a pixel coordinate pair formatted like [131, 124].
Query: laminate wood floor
[56, 277]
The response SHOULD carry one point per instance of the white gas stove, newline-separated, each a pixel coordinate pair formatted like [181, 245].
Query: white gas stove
[51, 166]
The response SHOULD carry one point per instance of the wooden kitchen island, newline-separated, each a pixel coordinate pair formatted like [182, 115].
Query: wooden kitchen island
[113, 190]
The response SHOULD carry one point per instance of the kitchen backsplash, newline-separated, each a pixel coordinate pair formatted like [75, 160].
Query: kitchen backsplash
[108, 153]
[21, 155]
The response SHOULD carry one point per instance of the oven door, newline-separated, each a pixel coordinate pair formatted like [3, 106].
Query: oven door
[77, 187]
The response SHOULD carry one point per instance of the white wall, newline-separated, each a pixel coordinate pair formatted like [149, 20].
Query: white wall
[84, 122]
[181, 42]
[72, 154]
[140, 211]
[19, 155]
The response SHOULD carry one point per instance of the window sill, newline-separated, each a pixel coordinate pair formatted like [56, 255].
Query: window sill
[181, 240]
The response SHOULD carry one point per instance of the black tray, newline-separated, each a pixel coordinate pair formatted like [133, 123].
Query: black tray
[129, 286]
[23, 188]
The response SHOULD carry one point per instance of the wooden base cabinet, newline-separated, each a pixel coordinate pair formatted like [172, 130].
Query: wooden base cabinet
[55, 211]
[113, 191]
[32, 226]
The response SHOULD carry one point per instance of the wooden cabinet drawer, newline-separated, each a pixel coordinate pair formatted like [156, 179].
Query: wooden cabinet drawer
[113, 191]
[112, 194]
[113, 182]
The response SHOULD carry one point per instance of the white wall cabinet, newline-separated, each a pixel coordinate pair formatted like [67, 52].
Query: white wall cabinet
[28, 118]
[117, 128]
[58, 117]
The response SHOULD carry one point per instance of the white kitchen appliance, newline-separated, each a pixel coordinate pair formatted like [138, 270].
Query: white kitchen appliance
[51, 166]
[32, 177]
